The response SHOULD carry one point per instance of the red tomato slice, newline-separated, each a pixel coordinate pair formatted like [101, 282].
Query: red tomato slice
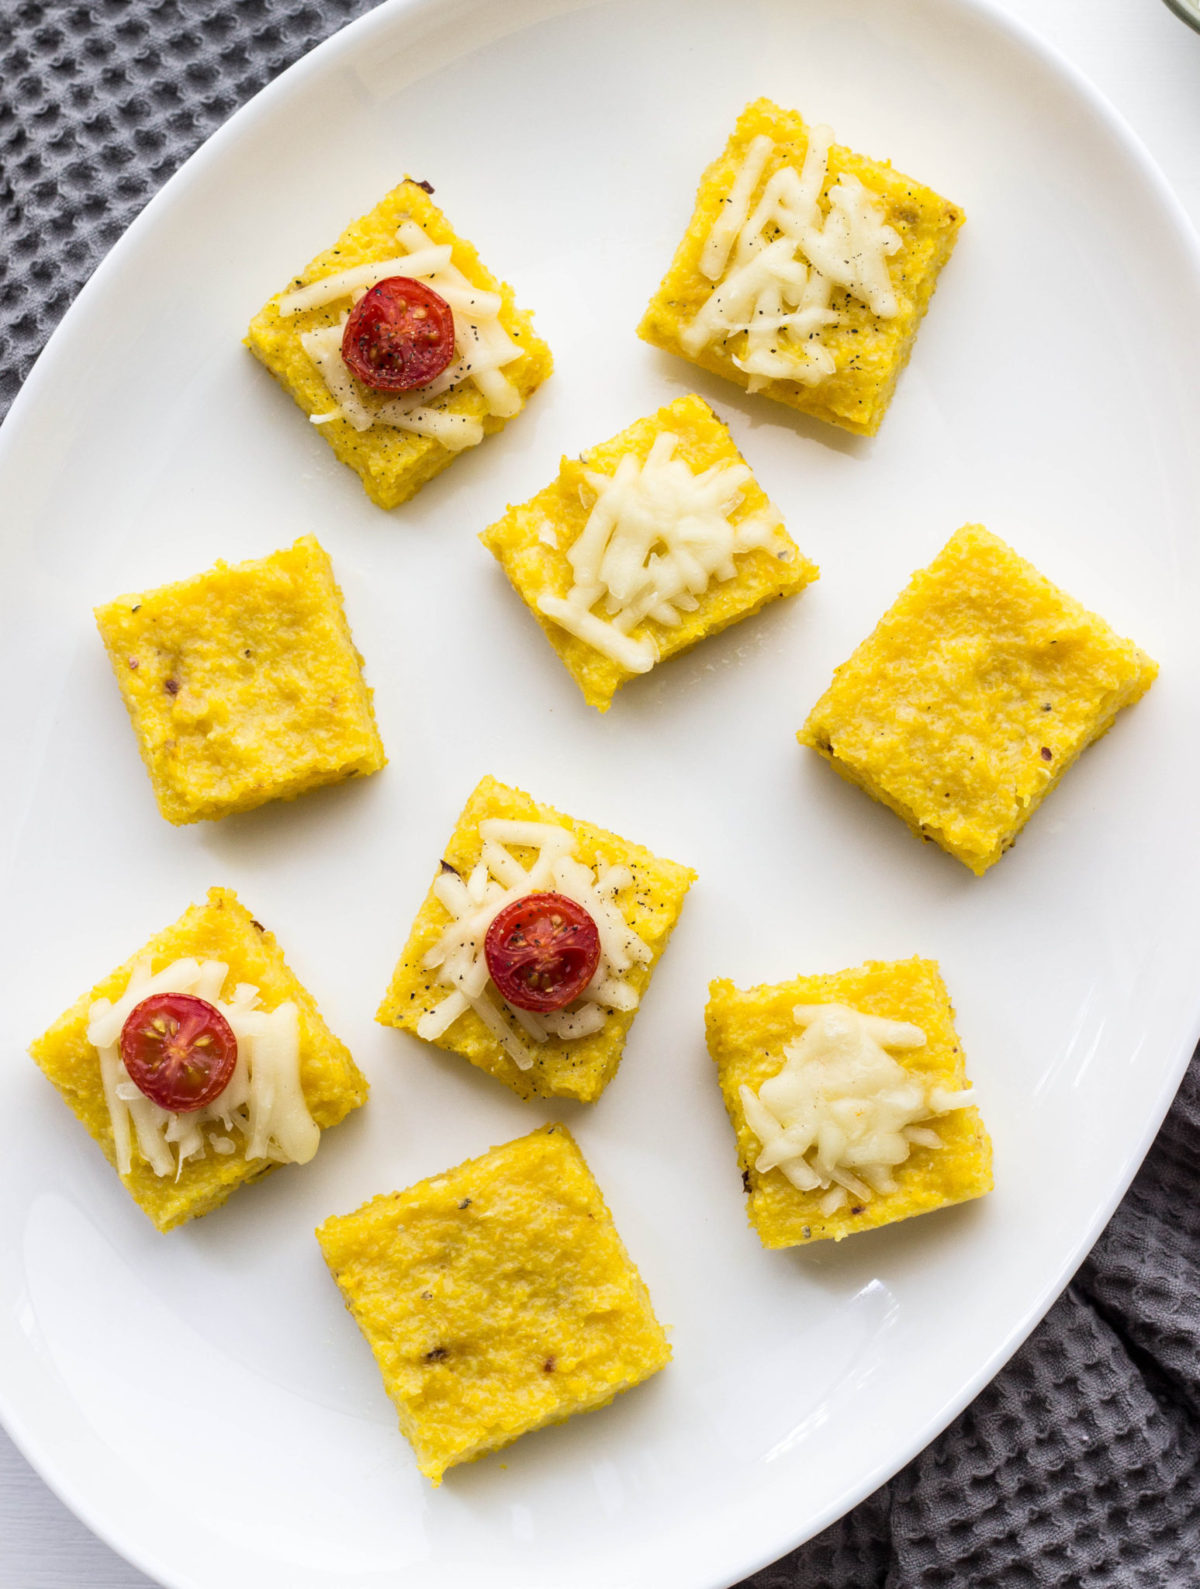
[542, 951]
[398, 336]
[179, 1050]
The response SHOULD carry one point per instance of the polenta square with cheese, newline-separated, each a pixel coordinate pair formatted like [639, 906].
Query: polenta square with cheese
[535, 945]
[805, 270]
[243, 684]
[497, 1298]
[849, 1098]
[644, 545]
[972, 697]
[201, 1063]
[401, 379]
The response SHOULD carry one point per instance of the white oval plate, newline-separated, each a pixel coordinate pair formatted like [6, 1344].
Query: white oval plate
[202, 1400]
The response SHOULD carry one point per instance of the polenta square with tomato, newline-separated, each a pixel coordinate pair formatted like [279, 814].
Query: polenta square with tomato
[535, 945]
[805, 271]
[201, 1063]
[497, 1298]
[400, 345]
[977, 690]
[849, 1098]
[644, 545]
[243, 684]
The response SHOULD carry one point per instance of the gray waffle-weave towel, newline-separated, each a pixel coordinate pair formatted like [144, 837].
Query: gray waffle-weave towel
[1080, 1464]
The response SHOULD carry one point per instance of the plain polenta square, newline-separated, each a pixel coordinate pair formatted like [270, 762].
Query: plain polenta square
[532, 542]
[579, 1067]
[392, 464]
[972, 697]
[497, 1298]
[748, 1030]
[243, 684]
[868, 351]
[221, 929]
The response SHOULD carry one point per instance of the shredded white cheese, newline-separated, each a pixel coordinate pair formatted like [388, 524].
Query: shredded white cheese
[475, 901]
[842, 1113]
[482, 346]
[263, 1104]
[657, 536]
[775, 265]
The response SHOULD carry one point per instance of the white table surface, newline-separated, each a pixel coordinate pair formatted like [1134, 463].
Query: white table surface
[1148, 64]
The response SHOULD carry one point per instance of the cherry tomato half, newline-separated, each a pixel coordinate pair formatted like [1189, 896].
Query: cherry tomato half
[398, 336]
[179, 1050]
[542, 951]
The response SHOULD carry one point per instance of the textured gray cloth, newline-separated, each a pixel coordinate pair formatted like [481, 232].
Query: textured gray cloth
[1080, 1464]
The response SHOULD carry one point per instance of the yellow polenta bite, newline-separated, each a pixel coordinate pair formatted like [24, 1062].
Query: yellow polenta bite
[401, 378]
[535, 945]
[972, 697]
[849, 1098]
[805, 270]
[497, 1298]
[201, 1063]
[243, 684]
[645, 545]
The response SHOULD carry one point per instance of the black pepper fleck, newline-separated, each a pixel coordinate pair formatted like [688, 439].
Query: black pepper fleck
[745, 1180]
[437, 1355]
[171, 686]
[1047, 753]
[466, 1203]
[548, 1366]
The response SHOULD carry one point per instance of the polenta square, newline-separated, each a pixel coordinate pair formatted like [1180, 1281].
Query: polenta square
[497, 1298]
[805, 271]
[396, 439]
[645, 545]
[859, 1081]
[510, 854]
[292, 1079]
[973, 696]
[243, 684]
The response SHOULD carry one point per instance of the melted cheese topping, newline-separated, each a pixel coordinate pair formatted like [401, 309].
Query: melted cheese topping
[775, 266]
[655, 539]
[482, 345]
[263, 1105]
[497, 880]
[842, 1113]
